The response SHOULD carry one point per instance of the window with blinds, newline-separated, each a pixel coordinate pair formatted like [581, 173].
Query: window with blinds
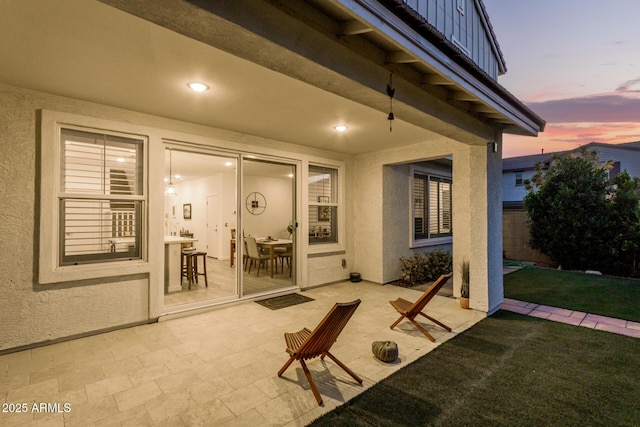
[101, 197]
[323, 204]
[432, 206]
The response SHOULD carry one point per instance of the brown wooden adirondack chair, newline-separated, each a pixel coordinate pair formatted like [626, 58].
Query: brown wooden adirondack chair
[410, 310]
[306, 344]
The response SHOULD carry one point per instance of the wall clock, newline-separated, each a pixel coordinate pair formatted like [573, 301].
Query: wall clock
[256, 203]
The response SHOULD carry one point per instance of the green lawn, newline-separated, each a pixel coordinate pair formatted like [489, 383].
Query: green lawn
[604, 295]
[509, 370]
[514, 370]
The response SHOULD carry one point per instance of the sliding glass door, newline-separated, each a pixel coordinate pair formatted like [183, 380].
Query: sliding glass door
[220, 242]
[268, 225]
[199, 222]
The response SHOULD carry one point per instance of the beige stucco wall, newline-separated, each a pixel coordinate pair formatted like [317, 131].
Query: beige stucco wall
[477, 233]
[375, 216]
[31, 312]
[375, 227]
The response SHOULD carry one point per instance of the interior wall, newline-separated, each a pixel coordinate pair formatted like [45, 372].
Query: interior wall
[273, 221]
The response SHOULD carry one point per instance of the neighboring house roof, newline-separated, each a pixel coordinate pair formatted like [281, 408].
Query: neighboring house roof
[523, 163]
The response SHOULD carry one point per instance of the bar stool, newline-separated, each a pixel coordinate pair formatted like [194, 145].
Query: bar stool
[194, 268]
[189, 267]
[186, 266]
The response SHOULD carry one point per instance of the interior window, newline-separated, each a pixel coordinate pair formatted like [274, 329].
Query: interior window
[323, 205]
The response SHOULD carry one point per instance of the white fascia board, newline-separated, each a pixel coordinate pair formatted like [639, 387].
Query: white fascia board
[406, 38]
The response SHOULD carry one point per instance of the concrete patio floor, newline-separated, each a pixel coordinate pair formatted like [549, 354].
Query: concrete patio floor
[218, 368]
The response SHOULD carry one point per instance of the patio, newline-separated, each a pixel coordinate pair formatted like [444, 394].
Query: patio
[219, 367]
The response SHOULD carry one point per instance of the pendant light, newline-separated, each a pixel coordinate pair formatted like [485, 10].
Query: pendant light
[171, 189]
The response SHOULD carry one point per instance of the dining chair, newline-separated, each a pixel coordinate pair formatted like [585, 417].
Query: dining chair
[254, 254]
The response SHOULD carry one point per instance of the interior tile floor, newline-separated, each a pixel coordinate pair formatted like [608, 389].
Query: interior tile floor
[221, 279]
[217, 368]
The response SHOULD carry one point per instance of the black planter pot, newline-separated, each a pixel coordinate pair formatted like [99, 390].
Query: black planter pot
[355, 277]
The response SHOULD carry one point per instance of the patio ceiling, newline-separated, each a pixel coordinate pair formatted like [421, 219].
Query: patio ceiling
[90, 51]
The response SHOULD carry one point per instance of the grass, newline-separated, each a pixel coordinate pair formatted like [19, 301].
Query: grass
[511, 369]
[508, 370]
[603, 295]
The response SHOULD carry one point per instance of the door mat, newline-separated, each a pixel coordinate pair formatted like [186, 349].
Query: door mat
[277, 303]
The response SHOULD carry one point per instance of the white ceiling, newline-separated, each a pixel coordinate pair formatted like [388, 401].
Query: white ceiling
[190, 166]
[87, 50]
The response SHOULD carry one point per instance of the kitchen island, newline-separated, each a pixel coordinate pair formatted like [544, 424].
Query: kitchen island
[173, 261]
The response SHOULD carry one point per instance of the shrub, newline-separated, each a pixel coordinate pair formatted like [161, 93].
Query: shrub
[414, 268]
[422, 267]
[439, 262]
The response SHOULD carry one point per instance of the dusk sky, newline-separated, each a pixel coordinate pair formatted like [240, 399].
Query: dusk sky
[576, 63]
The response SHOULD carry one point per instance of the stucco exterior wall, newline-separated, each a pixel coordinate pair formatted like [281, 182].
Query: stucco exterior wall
[324, 269]
[477, 233]
[31, 312]
[494, 226]
[380, 238]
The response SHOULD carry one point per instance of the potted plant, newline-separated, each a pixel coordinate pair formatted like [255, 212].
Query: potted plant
[464, 287]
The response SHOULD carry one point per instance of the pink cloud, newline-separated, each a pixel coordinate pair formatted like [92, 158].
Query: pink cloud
[567, 136]
[615, 107]
[629, 86]
[621, 105]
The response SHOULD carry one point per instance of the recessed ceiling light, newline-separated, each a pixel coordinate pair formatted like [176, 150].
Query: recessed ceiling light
[176, 176]
[120, 159]
[341, 128]
[228, 164]
[198, 87]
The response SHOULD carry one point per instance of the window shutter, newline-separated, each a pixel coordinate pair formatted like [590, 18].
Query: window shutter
[101, 197]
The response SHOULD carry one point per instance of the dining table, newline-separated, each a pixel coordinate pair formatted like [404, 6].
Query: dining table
[272, 244]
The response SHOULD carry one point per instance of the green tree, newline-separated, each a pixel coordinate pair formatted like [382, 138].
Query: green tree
[625, 226]
[568, 206]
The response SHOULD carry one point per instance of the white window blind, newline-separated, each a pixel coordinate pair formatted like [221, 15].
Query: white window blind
[101, 197]
[432, 206]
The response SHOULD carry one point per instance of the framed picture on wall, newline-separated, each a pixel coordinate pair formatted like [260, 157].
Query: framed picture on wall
[186, 211]
[324, 213]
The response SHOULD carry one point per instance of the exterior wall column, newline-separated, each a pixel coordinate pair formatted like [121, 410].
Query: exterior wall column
[477, 222]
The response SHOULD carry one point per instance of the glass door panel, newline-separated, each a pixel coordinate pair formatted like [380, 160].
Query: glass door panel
[199, 222]
[268, 225]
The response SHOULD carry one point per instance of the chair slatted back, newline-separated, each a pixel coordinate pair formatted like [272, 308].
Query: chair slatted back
[328, 330]
[419, 305]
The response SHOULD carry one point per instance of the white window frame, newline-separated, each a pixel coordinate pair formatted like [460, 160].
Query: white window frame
[318, 248]
[519, 182]
[429, 241]
[50, 268]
